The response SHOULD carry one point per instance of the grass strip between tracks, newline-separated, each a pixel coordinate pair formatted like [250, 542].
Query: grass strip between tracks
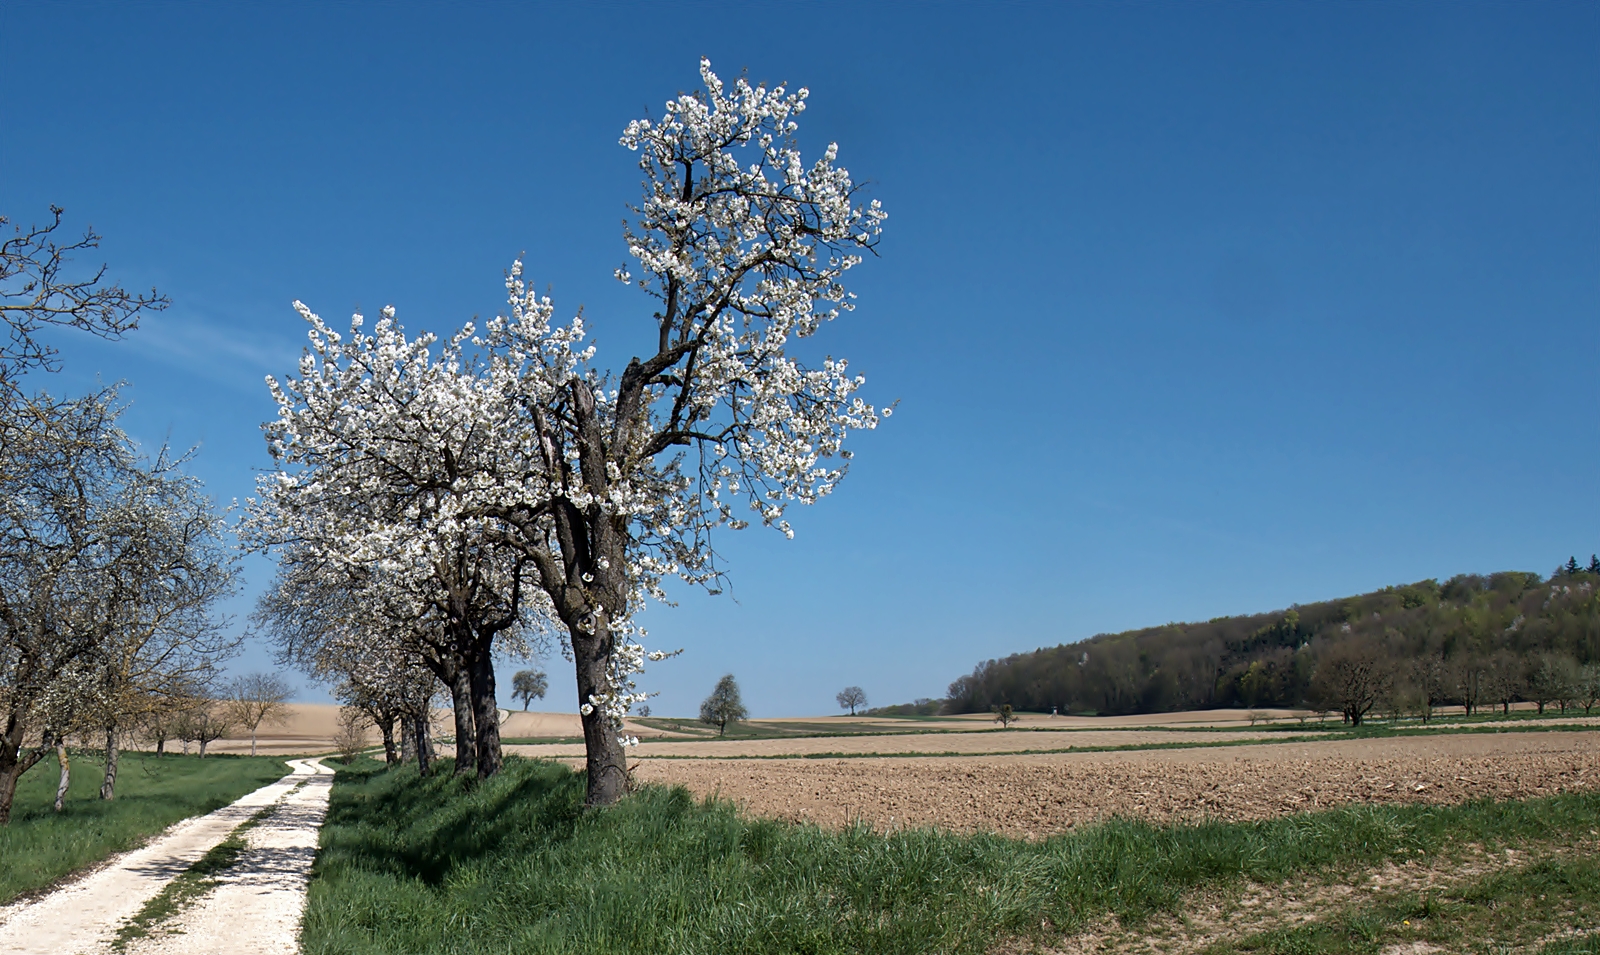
[41, 846]
[193, 883]
[515, 865]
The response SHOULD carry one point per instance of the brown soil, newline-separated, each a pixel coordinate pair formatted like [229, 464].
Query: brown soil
[1035, 796]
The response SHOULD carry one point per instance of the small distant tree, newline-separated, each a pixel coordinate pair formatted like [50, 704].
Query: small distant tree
[1594, 563]
[529, 685]
[723, 706]
[644, 710]
[1588, 687]
[1353, 677]
[204, 722]
[1571, 567]
[1430, 681]
[1004, 714]
[1469, 678]
[1505, 680]
[351, 737]
[1551, 679]
[852, 697]
[256, 699]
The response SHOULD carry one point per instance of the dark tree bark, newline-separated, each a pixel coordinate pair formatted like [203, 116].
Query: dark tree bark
[12, 765]
[605, 763]
[386, 727]
[486, 715]
[423, 741]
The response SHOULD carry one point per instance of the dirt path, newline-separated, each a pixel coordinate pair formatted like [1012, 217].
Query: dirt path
[257, 907]
[83, 917]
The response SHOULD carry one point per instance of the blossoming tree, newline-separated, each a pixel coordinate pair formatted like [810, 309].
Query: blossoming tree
[743, 248]
[606, 484]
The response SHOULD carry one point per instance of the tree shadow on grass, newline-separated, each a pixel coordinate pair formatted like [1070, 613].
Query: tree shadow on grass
[393, 821]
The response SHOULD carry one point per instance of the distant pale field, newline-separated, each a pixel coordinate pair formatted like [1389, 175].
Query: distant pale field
[310, 728]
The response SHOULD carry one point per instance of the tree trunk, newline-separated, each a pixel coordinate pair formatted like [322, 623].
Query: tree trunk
[605, 761]
[466, 731]
[12, 765]
[424, 744]
[252, 741]
[486, 715]
[202, 749]
[66, 772]
[408, 739]
[387, 728]
[161, 746]
[108, 788]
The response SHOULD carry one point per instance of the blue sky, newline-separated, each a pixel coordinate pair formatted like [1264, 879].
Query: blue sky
[1191, 309]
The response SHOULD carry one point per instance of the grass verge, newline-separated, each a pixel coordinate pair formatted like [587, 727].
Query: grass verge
[514, 865]
[42, 846]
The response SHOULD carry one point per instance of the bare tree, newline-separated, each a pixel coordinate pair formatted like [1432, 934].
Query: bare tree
[1004, 715]
[1430, 679]
[202, 721]
[1353, 676]
[1588, 687]
[351, 737]
[256, 699]
[37, 291]
[1505, 680]
[1552, 678]
[852, 697]
[723, 706]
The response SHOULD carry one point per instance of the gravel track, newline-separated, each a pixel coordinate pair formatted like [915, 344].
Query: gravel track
[82, 918]
[1038, 795]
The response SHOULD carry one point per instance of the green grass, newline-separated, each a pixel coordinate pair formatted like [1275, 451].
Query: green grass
[41, 846]
[514, 865]
[1509, 909]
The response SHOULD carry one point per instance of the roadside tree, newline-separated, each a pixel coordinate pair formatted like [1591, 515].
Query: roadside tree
[38, 290]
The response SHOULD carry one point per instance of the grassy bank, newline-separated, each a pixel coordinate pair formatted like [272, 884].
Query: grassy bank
[437, 865]
[40, 846]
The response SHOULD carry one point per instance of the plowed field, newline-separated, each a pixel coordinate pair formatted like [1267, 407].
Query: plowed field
[1036, 795]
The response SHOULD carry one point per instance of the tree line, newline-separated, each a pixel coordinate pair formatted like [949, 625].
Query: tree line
[112, 558]
[1474, 641]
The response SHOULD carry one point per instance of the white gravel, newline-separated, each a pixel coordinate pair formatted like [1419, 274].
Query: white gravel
[266, 888]
[257, 907]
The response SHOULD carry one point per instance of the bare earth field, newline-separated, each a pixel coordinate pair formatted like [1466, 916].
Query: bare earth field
[1036, 795]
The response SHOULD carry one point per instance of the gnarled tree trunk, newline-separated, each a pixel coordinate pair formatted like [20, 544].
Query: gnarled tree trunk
[386, 727]
[13, 763]
[108, 787]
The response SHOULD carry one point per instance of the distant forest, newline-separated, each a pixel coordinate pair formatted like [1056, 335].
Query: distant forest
[1473, 640]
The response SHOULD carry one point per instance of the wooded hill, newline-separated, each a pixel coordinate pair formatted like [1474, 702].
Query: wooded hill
[1477, 640]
